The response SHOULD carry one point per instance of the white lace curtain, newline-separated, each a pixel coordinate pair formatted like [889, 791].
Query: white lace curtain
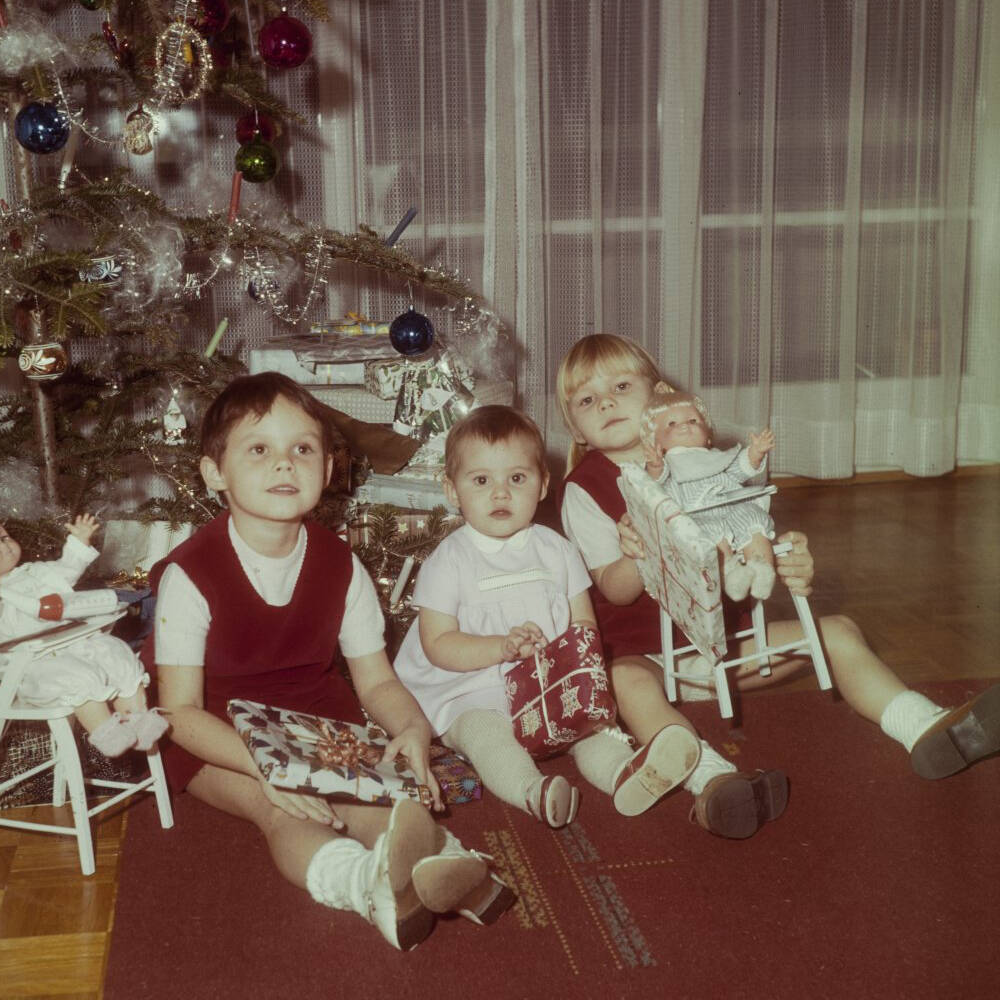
[791, 203]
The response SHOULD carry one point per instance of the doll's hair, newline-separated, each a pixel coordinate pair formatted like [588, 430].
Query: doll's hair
[664, 398]
[598, 353]
[256, 394]
[493, 424]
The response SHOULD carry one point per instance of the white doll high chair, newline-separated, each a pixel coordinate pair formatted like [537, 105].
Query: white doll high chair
[16, 657]
[681, 573]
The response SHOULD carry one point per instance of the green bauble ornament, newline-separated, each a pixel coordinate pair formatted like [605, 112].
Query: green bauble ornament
[257, 161]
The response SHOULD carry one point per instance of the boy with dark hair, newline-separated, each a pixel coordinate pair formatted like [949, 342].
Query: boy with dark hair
[256, 605]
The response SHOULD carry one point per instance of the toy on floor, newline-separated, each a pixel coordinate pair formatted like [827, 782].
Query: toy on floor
[96, 671]
[676, 435]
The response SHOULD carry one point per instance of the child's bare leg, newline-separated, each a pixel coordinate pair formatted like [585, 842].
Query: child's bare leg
[864, 681]
[637, 686]
[292, 842]
[92, 714]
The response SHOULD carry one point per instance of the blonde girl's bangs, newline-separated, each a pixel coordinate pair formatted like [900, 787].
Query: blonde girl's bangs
[601, 354]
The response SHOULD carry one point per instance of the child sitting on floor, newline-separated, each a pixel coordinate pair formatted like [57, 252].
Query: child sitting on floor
[492, 593]
[95, 670]
[676, 435]
[256, 605]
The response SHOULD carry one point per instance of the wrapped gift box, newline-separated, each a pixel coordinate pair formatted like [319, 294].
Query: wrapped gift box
[321, 358]
[681, 567]
[361, 404]
[134, 545]
[407, 492]
[384, 378]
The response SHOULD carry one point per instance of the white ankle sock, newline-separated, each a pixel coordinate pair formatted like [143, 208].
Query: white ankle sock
[711, 765]
[908, 716]
[338, 873]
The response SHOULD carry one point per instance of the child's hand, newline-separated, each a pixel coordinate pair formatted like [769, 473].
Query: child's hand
[796, 568]
[629, 540]
[413, 744]
[760, 445]
[83, 527]
[522, 641]
[299, 806]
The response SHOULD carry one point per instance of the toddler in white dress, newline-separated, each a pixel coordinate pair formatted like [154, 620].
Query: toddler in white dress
[90, 673]
[492, 593]
[676, 435]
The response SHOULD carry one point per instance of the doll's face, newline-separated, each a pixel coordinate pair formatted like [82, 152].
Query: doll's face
[681, 425]
[10, 552]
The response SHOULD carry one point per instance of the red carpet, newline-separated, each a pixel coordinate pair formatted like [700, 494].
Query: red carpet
[875, 883]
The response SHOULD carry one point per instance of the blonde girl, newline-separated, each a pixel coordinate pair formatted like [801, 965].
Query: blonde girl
[604, 384]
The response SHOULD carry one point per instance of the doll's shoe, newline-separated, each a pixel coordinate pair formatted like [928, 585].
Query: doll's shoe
[764, 576]
[113, 736]
[736, 578]
[737, 804]
[653, 770]
[458, 880]
[553, 800]
[148, 727]
[960, 737]
[391, 899]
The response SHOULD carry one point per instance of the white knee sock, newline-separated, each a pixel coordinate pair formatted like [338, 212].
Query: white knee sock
[711, 765]
[601, 756]
[487, 739]
[339, 874]
[908, 716]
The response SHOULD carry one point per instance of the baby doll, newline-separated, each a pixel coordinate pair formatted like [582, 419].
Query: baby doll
[676, 435]
[92, 671]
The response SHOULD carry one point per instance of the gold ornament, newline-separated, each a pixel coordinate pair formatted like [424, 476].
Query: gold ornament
[183, 63]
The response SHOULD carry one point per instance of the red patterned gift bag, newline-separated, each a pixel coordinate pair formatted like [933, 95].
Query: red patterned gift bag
[560, 694]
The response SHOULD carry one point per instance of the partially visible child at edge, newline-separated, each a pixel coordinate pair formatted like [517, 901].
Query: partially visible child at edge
[604, 384]
[493, 592]
[255, 605]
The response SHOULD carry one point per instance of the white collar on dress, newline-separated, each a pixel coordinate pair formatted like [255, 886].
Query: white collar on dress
[490, 545]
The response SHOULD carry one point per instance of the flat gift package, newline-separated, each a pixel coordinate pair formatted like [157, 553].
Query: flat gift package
[321, 357]
[308, 753]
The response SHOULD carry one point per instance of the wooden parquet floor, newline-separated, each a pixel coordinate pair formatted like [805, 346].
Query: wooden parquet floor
[915, 562]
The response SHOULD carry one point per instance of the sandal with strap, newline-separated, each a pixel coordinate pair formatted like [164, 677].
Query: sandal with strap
[553, 801]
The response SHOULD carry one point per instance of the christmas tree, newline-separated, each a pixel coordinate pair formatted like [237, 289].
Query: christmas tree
[89, 252]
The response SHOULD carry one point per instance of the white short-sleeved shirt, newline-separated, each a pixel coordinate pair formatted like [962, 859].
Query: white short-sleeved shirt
[489, 586]
[183, 617]
[593, 532]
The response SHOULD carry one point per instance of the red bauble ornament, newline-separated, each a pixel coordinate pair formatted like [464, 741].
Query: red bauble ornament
[254, 123]
[214, 17]
[284, 42]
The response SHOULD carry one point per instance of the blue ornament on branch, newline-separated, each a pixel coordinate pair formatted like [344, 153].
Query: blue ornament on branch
[411, 333]
[41, 127]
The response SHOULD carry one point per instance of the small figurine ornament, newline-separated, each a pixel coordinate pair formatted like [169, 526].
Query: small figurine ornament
[174, 423]
[138, 132]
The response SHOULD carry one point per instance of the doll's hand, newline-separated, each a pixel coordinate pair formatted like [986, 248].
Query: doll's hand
[629, 540]
[414, 745]
[299, 806]
[760, 445]
[522, 641]
[83, 526]
[796, 568]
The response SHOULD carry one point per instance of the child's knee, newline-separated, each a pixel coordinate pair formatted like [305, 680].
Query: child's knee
[840, 633]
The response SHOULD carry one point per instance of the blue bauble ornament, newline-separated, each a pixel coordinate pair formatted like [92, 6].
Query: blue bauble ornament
[41, 127]
[411, 333]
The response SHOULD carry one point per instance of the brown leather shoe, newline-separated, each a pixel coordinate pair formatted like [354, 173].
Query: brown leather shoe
[960, 737]
[737, 804]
